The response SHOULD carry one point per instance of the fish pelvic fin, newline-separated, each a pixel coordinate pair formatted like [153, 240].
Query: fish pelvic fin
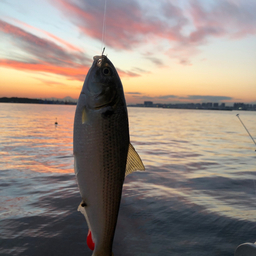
[82, 209]
[134, 162]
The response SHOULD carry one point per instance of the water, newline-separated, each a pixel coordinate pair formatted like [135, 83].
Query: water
[197, 196]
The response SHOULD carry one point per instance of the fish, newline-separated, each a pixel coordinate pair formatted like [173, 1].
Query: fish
[103, 154]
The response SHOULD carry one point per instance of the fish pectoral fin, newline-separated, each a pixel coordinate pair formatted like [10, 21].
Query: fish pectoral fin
[84, 116]
[134, 162]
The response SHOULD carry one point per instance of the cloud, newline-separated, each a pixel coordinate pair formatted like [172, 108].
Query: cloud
[167, 97]
[134, 23]
[217, 19]
[208, 98]
[154, 98]
[233, 19]
[128, 23]
[127, 73]
[43, 55]
[132, 93]
[187, 99]
[50, 83]
[144, 97]
[43, 49]
[55, 38]
[139, 70]
[155, 60]
[77, 73]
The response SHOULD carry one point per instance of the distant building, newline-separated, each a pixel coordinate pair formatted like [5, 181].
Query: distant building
[239, 106]
[148, 103]
[207, 105]
[216, 105]
[223, 105]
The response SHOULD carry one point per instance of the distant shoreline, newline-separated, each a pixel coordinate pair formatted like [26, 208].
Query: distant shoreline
[237, 106]
[218, 109]
[198, 106]
[35, 101]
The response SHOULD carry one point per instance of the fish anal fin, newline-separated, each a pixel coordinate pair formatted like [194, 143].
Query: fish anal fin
[134, 162]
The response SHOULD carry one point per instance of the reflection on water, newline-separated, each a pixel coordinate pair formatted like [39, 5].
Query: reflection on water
[31, 142]
[207, 155]
[199, 184]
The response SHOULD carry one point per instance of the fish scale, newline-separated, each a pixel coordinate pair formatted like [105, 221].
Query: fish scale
[114, 159]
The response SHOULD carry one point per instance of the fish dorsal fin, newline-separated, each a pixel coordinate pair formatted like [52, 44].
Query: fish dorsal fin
[134, 162]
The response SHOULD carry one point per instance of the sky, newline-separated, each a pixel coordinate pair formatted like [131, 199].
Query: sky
[165, 51]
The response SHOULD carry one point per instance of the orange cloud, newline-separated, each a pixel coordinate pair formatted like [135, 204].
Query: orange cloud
[77, 73]
[46, 56]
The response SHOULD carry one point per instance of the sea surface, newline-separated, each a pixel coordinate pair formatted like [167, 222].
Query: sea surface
[196, 197]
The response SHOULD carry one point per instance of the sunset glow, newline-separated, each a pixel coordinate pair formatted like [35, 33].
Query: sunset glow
[165, 51]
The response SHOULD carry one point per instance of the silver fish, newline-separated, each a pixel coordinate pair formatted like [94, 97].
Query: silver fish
[103, 155]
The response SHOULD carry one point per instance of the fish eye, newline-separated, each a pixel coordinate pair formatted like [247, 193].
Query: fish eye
[106, 71]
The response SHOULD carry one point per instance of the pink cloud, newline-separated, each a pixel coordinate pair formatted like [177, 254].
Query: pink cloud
[41, 49]
[123, 73]
[129, 24]
[224, 19]
[57, 39]
[46, 56]
[126, 22]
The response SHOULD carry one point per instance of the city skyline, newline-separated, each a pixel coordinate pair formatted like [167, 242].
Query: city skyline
[178, 105]
[168, 51]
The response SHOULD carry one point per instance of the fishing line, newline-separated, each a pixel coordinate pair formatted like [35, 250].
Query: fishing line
[252, 140]
[104, 27]
[246, 129]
